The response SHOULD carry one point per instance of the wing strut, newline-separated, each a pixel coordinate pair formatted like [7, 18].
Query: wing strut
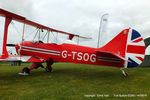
[7, 22]
[23, 31]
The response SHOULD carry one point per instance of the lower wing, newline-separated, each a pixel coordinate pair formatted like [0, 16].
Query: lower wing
[22, 58]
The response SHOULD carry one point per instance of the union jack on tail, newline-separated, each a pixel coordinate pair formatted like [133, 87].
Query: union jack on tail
[135, 50]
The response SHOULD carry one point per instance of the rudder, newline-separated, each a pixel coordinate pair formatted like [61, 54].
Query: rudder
[135, 50]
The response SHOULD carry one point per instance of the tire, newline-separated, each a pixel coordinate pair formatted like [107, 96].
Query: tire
[26, 70]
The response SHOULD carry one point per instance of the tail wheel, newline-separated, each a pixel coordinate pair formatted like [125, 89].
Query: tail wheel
[125, 74]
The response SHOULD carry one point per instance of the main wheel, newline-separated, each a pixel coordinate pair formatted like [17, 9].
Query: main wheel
[25, 71]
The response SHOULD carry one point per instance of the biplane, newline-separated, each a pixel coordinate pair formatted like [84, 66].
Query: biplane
[126, 50]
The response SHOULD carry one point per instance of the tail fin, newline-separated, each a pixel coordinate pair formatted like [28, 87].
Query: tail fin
[127, 45]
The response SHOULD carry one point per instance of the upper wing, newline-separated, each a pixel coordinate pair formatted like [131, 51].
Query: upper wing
[21, 19]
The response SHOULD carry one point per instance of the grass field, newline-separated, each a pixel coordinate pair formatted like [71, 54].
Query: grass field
[74, 82]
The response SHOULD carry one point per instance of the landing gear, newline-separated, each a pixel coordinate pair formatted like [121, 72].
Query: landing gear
[35, 65]
[48, 69]
[125, 74]
[25, 71]
[49, 65]
[39, 66]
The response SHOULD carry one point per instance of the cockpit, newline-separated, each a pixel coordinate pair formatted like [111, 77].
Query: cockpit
[35, 42]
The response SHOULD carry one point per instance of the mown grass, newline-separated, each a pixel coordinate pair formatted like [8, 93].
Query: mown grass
[73, 82]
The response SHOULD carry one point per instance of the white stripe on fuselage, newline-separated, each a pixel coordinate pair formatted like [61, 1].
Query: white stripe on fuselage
[41, 49]
[41, 52]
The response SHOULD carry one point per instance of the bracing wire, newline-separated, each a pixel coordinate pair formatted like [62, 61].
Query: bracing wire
[29, 34]
[45, 35]
[54, 37]
[36, 33]
[16, 29]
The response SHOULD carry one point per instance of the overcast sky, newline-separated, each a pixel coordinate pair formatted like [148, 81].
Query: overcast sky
[83, 16]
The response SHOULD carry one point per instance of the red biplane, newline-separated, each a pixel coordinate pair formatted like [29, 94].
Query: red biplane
[126, 50]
